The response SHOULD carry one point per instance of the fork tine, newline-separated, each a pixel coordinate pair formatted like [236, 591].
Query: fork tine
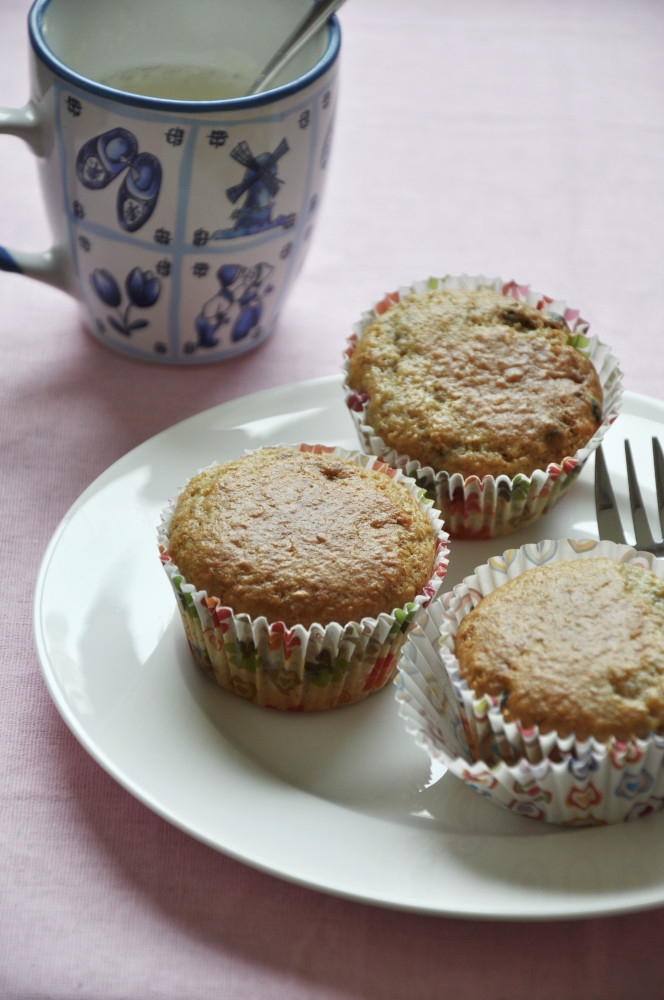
[642, 533]
[658, 460]
[608, 518]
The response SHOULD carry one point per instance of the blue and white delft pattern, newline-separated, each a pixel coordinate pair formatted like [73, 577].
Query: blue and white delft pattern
[187, 234]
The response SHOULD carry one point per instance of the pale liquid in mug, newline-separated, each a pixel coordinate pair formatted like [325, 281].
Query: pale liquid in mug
[184, 83]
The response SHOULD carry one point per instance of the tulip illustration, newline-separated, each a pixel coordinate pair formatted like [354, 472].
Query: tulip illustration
[143, 289]
[106, 287]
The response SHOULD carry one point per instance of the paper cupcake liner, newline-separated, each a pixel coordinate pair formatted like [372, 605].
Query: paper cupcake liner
[542, 776]
[494, 505]
[301, 668]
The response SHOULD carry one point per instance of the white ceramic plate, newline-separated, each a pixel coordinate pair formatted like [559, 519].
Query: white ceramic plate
[341, 801]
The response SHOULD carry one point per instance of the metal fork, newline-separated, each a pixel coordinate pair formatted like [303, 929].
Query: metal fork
[608, 517]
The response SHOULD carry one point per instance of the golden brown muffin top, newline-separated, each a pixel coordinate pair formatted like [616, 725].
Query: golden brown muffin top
[576, 646]
[475, 382]
[301, 538]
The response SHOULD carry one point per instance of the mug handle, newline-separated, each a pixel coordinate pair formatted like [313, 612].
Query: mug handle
[49, 265]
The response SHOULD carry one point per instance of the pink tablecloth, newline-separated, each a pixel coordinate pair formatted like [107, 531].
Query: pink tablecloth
[506, 137]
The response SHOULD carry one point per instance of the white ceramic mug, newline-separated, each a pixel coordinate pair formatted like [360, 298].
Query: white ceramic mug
[180, 221]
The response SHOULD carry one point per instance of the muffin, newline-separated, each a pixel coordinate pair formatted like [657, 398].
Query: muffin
[485, 393]
[540, 681]
[608, 679]
[298, 571]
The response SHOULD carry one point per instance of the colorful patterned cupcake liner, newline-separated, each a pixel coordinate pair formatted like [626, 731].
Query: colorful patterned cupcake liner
[558, 780]
[301, 668]
[493, 506]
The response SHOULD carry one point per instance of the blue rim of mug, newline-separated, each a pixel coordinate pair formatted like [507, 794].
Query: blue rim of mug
[48, 57]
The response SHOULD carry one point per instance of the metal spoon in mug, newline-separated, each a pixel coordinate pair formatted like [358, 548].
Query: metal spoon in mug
[320, 12]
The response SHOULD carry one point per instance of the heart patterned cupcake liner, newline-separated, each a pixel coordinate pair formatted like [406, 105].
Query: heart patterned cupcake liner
[543, 776]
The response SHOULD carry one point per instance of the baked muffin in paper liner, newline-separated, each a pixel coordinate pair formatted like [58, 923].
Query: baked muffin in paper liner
[491, 506]
[299, 668]
[543, 776]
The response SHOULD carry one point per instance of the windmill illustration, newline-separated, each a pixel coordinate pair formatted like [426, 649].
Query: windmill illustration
[259, 187]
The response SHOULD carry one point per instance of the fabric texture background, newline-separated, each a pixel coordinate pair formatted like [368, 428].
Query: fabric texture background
[492, 136]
